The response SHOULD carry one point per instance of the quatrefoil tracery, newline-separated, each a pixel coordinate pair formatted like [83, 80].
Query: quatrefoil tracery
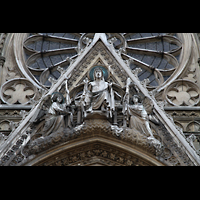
[18, 91]
[183, 93]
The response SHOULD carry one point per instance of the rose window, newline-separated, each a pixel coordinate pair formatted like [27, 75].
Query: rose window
[157, 54]
[46, 51]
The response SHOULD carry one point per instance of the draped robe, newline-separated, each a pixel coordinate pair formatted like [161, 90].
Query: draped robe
[138, 118]
[53, 119]
[100, 93]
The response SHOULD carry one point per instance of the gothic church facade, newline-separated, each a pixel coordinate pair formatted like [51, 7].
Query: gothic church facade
[99, 99]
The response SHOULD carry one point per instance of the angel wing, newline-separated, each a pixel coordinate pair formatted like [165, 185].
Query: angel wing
[41, 111]
[148, 105]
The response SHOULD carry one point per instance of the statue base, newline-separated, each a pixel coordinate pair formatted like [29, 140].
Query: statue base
[97, 114]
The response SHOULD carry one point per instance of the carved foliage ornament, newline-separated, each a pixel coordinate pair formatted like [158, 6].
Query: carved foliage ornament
[96, 154]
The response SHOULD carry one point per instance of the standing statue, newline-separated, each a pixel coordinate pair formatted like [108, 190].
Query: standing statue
[98, 95]
[139, 115]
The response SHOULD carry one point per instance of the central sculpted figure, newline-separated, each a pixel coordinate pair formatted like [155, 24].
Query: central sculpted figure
[98, 94]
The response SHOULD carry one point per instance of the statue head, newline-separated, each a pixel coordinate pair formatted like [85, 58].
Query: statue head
[98, 74]
[57, 97]
[136, 98]
[105, 73]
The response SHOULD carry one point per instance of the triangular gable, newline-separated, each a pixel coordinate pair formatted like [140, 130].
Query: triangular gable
[101, 51]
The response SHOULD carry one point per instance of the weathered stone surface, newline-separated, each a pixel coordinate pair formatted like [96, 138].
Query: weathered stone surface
[23, 90]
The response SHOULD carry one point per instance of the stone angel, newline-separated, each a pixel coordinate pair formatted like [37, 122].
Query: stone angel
[52, 113]
[140, 113]
[139, 119]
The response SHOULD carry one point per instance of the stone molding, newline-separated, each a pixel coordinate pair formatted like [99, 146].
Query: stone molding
[178, 137]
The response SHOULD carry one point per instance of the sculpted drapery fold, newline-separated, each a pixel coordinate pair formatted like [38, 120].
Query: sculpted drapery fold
[72, 82]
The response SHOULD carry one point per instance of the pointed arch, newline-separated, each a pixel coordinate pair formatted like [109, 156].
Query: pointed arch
[122, 69]
[95, 149]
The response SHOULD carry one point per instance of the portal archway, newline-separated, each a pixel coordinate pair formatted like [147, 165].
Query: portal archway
[95, 151]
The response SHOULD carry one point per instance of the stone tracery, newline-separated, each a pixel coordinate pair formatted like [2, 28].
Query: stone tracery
[18, 91]
[156, 53]
[122, 44]
[183, 93]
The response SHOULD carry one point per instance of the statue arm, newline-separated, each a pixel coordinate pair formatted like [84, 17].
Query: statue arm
[58, 107]
[89, 87]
